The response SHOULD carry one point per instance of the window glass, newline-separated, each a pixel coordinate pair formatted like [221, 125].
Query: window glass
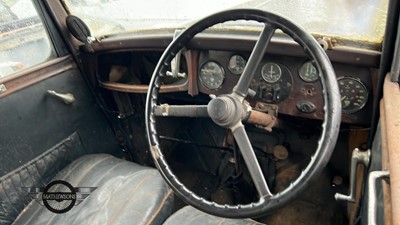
[356, 20]
[23, 38]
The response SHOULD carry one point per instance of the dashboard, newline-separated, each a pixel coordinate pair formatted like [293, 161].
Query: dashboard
[285, 80]
[292, 84]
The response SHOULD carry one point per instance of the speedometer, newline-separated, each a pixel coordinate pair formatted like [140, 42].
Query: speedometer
[354, 94]
[211, 75]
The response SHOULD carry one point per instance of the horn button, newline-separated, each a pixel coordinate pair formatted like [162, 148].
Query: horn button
[225, 111]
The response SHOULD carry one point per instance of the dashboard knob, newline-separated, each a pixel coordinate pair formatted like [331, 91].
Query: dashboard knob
[306, 106]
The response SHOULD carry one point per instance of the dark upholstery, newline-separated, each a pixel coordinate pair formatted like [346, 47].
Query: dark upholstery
[126, 194]
[191, 216]
[36, 173]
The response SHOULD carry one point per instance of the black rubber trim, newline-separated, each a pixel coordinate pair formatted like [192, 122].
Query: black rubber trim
[326, 143]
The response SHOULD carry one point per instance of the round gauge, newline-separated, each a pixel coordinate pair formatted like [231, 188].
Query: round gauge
[211, 75]
[274, 92]
[236, 64]
[271, 72]
[308, 72]
[354, 94]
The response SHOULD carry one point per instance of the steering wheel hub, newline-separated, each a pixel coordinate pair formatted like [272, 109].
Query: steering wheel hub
[225, 111]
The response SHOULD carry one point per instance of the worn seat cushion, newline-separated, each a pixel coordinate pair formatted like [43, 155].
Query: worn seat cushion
[191, 216]
[126, 194]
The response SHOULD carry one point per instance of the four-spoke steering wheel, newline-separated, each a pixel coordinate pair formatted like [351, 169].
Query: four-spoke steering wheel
[228, 110]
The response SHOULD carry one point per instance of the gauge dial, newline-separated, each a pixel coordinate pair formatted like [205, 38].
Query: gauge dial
[308, 72]
[354, 94]
[211, 75]
[273, 92]
[236, 64]
[271, 72]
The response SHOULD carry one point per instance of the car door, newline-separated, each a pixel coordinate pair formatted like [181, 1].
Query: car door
[382, 188]
[48, 115]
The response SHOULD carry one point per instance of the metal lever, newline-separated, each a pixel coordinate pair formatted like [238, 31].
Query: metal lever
[67, 98]
[357, 157]
[373, 176]
[175, 63]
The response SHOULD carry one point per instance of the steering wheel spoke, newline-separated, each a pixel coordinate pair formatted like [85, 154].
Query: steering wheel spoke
[167, 110]
[250, 159]
[255, 58]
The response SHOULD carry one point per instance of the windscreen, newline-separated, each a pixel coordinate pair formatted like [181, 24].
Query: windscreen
[357, 20]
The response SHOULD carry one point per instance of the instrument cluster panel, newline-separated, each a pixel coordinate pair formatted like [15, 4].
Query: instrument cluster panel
[291, 83]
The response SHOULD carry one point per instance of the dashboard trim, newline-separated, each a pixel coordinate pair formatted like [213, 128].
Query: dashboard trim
[280, 45]
[141, 89]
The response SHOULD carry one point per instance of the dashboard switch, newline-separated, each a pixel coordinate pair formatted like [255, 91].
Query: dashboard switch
[305, 106]
[276, 89]
[262, 89]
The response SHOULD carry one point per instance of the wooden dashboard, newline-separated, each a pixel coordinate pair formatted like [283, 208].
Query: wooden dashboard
[128, 66]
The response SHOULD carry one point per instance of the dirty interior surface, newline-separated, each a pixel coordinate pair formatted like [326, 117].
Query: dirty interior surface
[110, 78]
[205, 156]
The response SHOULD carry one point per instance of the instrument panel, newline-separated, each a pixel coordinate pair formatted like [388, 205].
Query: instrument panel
[291, 83]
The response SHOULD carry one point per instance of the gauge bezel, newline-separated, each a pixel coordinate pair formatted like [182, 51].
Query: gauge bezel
[271, 81]
[303, 77]
[201, 80]
[231, 70]
[358, 80]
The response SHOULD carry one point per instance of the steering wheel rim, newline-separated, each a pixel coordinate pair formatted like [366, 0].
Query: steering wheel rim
[330, 126]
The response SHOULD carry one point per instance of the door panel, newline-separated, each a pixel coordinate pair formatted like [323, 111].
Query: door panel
[31, 121]
[40, 134]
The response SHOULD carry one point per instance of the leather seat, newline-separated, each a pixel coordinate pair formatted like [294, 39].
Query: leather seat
[126, 194]
[191, 216]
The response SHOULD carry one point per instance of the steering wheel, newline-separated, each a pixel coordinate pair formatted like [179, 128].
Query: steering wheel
[228, 111]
